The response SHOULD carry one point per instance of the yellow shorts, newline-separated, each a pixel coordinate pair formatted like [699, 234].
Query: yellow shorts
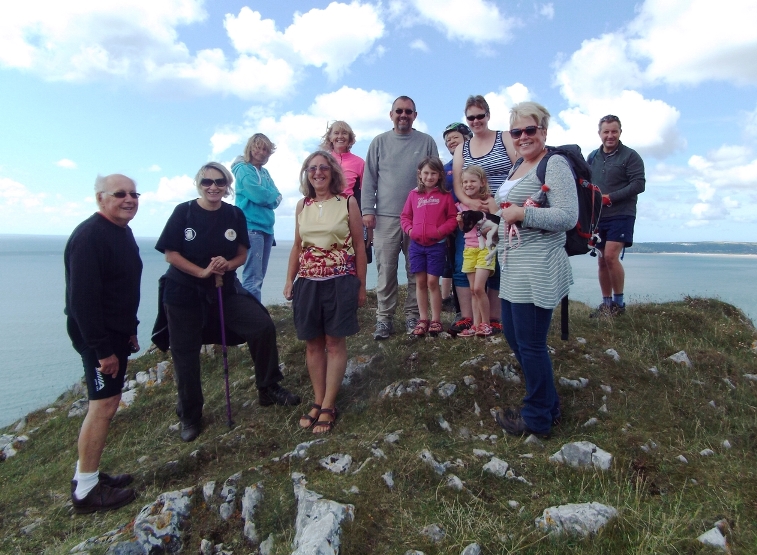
[475, 258]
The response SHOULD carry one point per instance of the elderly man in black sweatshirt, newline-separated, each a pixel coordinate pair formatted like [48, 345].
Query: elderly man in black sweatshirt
[103, 271]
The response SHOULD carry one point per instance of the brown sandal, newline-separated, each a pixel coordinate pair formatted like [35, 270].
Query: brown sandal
[435, 328]
[421, 328]
[328, 424]
[311, 419]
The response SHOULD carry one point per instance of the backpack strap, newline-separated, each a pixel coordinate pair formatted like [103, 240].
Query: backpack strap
[591, 157]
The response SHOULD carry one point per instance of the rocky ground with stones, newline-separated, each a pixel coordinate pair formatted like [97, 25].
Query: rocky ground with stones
[655, 452]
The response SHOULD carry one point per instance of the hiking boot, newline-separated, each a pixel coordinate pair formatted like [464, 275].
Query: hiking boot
[495, 325]
[117, 481]
[410, 324]
[460, 325]
[616, 309]
[277, 395]
[102, 498]
[602, 311]
[383, 330]
[512, 422]
[190, 432]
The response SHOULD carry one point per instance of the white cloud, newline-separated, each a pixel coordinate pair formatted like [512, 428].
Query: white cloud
[139, 41]
[476, 21]
[170, 190]
[66, 163]
[547, 11]
[691, 41]
[24, 211]
[418, 44]
[501, 102]
[154, 168]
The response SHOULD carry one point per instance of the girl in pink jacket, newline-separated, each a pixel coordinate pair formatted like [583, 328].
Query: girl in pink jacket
[428, 217]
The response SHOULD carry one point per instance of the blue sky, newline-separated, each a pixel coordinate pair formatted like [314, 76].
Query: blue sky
[154, 89]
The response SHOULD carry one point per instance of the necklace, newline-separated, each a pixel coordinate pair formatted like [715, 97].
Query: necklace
[320, 205]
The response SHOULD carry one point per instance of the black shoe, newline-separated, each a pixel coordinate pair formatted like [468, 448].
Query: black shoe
[117, 481]
[277, 395]
[102, 498]
[189, 432]
[512, 422]
[448, 304]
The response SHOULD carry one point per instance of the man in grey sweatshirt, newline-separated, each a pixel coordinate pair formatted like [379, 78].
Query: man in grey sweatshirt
[391, 170]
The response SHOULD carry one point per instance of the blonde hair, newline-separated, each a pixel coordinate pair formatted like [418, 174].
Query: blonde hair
[338, 125]
[532, 110]
[478, 171]
[218, 167]
[255, 140]
[436, 165]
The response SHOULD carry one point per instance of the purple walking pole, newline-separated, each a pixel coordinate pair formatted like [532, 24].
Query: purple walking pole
[219, 288]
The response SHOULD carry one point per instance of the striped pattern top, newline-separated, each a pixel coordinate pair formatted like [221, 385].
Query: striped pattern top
[496, 163]
[538, 270]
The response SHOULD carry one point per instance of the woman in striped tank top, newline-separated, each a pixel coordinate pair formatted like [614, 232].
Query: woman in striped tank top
[493, 151]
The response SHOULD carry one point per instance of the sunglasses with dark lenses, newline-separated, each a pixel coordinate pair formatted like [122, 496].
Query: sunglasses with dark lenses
[122, 194]
[207, 182]
[322, 167]
[478, 117]
[530, 131]
[407, 111]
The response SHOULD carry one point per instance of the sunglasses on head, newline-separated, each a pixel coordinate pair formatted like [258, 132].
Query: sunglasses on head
[122, 194]
[407, 111]
[207, 182]
[530, 131]
[478, 117]
[322, 167]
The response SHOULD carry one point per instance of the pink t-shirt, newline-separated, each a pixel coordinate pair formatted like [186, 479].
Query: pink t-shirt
[353, 167]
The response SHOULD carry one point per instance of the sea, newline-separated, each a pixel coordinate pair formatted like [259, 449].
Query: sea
[37, 362]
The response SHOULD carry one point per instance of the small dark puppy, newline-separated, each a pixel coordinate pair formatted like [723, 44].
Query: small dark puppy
[488, 228]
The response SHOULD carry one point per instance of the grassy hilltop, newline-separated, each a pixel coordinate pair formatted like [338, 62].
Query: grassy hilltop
[663, 503]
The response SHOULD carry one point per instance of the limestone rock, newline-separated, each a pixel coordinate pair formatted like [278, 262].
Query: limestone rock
[266, 548]
[513, 504]
[473, 361]
[681, 358]
[433, 532]
[654, 371]
[336, 463]
[399, 388]
[318, 523]
[591, 422]
[729, 383]
[207, 492]
[443, 424]
[476, 409]
[127, 399]
[606, 389]
[355, 367]
[378, 453]
[751, 377]
[446, 390]
[707, 452]
[714, 538]
[469, 380]
[726, 444]
[496, 466]
[580, 383]
[158, 526]
[580, 340]
[578, 519]
[682, 459]
[472, 549]
[614, 354]
[301, 450]
[480, 453]
[534, 441]
[20, 425]
[251, 499]
[78, 408]
[454, 483]
[603, 409]
[429, 459]
[583, 454]
[229, 496]
[393, 437]
[388, 479]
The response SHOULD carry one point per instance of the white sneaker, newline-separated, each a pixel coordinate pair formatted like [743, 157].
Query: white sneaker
[383, 330]
[410, 324]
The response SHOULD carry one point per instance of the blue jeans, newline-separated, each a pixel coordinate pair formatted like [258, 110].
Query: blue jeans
[525, 327]
[257, 262]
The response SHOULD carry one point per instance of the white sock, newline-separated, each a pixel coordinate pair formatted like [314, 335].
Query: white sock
[85, 482]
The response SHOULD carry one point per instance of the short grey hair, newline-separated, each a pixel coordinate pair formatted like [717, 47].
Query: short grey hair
[532, 110]
[100, 183]
[221, 168]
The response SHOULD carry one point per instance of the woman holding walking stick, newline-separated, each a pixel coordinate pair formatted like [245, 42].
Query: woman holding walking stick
[202, 239]
[328, 262]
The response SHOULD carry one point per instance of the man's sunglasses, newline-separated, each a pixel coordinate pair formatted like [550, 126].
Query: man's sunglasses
[478, 117]
[207, 182]
[530, 131]
[122, 194]
[407, 111]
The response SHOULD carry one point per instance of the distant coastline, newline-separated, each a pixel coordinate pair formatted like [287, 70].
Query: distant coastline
[703, 247]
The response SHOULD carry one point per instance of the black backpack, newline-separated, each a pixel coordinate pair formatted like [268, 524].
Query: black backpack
[583, 237]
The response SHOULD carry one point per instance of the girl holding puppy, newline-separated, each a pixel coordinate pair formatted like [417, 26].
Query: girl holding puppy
[428, 217]
[475, 266]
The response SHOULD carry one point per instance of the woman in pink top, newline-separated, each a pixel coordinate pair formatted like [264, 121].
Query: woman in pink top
[338, 141]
